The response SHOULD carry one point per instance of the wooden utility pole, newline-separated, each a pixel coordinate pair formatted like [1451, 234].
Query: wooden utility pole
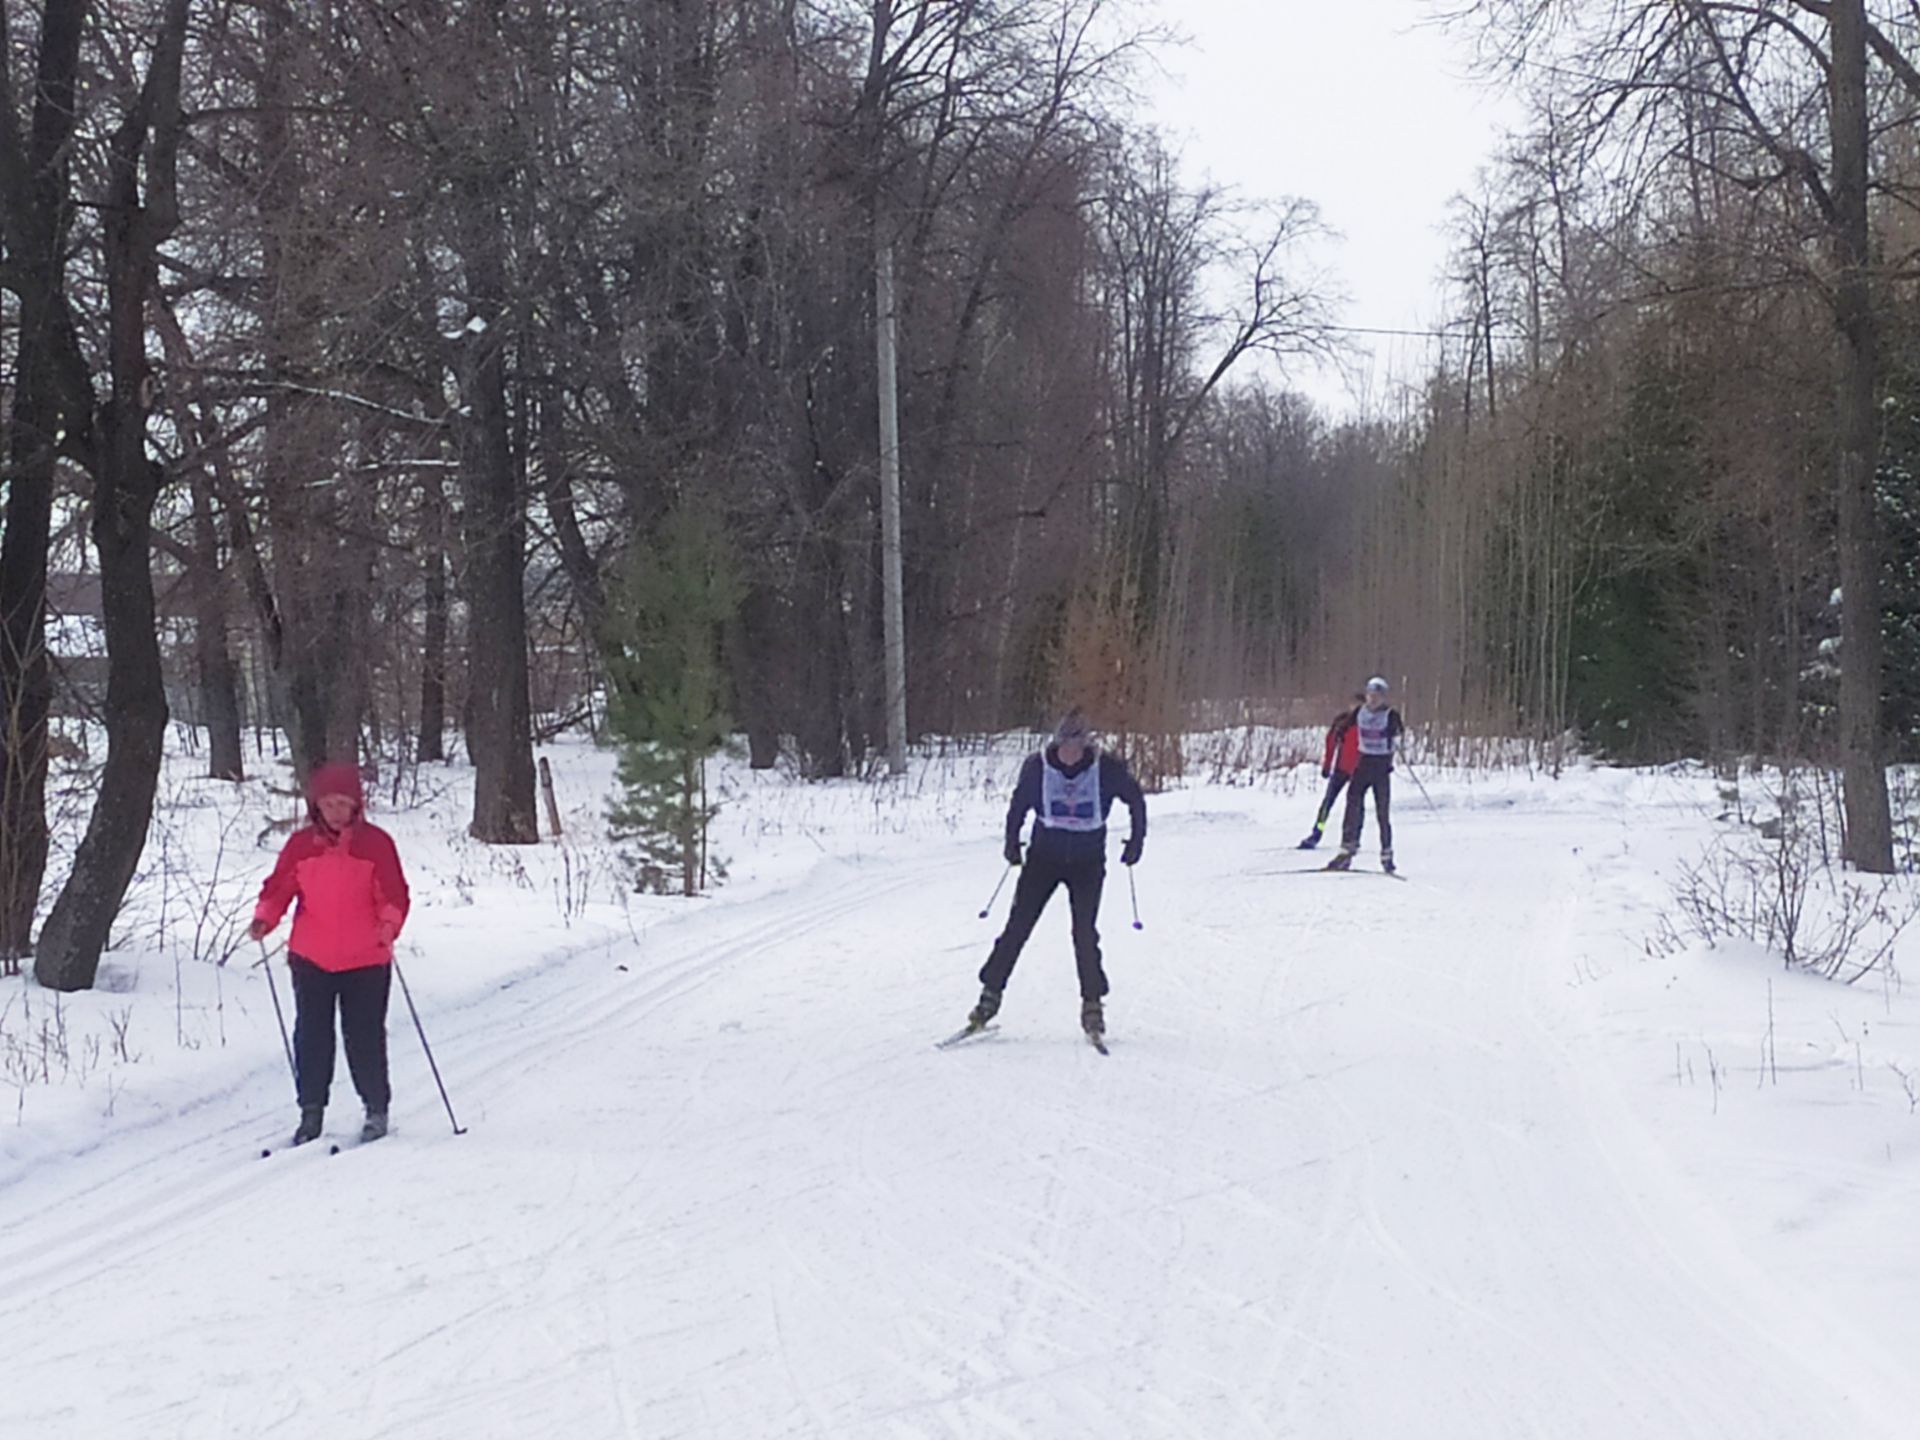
[893, 620]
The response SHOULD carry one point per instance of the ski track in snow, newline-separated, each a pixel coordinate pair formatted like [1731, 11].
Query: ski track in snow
[1353, 1169]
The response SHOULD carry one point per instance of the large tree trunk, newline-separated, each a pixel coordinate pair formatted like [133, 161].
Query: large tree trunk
[499, 708]
[213, 659]
[433, 641]
[50, 397]
[752, 642]
[125, 490]
[1869, 840]
[25, 679]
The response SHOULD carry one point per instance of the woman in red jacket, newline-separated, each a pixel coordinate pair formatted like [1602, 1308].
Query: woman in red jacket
[1336, 766]
[352, 897]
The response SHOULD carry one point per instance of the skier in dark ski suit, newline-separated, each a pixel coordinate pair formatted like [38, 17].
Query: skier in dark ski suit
[1379, 728]
[1069, 787]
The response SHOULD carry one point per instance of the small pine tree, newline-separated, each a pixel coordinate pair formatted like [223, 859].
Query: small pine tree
[667, 697]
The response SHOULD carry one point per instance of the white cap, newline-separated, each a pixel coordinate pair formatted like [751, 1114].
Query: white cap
[1376, 683]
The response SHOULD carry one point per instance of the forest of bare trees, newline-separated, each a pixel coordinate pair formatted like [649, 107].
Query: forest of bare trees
[349, 349]
[1659, 496]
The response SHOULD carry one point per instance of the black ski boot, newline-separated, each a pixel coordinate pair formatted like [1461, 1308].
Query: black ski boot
[1093, 1020]
[1311, 841]
[1342, 861]
[988, 1007]
[1386, 861]
[310, 1118]
[375, 1126]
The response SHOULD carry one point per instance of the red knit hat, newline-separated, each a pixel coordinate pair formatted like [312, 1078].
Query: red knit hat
[339, 777]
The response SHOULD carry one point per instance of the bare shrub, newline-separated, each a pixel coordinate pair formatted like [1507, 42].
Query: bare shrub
[1772, 882]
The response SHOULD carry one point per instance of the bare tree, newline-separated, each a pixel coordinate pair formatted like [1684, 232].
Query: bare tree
[139, 211]
[1638, 74]
[50, 416]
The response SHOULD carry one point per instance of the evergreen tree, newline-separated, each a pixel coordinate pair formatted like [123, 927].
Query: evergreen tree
[667, 697]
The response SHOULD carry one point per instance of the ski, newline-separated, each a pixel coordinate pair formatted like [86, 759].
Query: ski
[269, 1151]
[1330, 868]
[334, 1147]
[967, 1032]
[1324, 870]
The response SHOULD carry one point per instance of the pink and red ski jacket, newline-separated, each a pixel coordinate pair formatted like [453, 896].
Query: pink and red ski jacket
[351, 891]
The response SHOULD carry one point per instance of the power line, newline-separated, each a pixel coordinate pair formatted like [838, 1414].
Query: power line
[1453, 334]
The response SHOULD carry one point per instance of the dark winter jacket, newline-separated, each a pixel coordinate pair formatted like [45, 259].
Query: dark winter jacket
[1116, 783]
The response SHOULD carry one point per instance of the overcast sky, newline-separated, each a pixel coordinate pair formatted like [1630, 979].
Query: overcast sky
[1358, 106]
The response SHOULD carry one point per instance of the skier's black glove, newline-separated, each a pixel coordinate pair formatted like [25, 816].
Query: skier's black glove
[1130, 852]
[1326, 772]
[1013, 852]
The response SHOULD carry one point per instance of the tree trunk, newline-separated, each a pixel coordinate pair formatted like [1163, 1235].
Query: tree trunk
[126, 488]
[583, 574]
[50, 396]
[499, 708]
[81, 921]
[1869, 839]
[26, 691]
[433, 648]
[213, 659]
[751, 646]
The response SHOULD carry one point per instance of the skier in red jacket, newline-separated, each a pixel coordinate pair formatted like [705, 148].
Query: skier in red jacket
[1337, 764]
[352, 896]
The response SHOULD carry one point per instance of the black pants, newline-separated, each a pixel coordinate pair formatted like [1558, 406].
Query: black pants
[1335, 785]
[1039, 877]
[1378, 779]
[362, 997]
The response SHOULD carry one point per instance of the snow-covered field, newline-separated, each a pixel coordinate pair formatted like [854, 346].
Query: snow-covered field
[1464, 1156]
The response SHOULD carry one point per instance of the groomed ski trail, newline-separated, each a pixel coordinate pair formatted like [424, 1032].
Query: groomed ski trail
[1357, 1175]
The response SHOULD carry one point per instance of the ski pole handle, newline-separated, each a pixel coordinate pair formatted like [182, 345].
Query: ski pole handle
[988, 908]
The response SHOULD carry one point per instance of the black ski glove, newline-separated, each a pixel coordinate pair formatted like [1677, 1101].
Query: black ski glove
[1130, 852]
[1013, 852]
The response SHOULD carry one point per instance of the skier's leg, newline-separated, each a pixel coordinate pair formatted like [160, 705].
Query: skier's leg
[1335, 785]
[1030, 895]
[314, 992]
[363, 1029]
[1383, 814]
[1084, 884]
[1356, 815]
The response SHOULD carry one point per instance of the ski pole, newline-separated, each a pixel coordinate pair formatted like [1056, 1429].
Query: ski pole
[421, 1030]
[278, 1013]
[988, 909]
[1422, 788]
[1133, 894]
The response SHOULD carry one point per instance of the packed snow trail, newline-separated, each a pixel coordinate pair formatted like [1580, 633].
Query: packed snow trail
[1349, 1172]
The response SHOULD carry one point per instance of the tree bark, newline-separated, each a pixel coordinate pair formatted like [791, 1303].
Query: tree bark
[499, 707]
[213, 659]
[433, 648]
[125, 490]
[49, 400]
[1869, 839]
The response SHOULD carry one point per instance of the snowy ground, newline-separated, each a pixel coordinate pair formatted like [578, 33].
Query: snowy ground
[1455, 1157]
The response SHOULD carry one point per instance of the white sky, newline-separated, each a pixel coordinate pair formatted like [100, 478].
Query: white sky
[1359, 106]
